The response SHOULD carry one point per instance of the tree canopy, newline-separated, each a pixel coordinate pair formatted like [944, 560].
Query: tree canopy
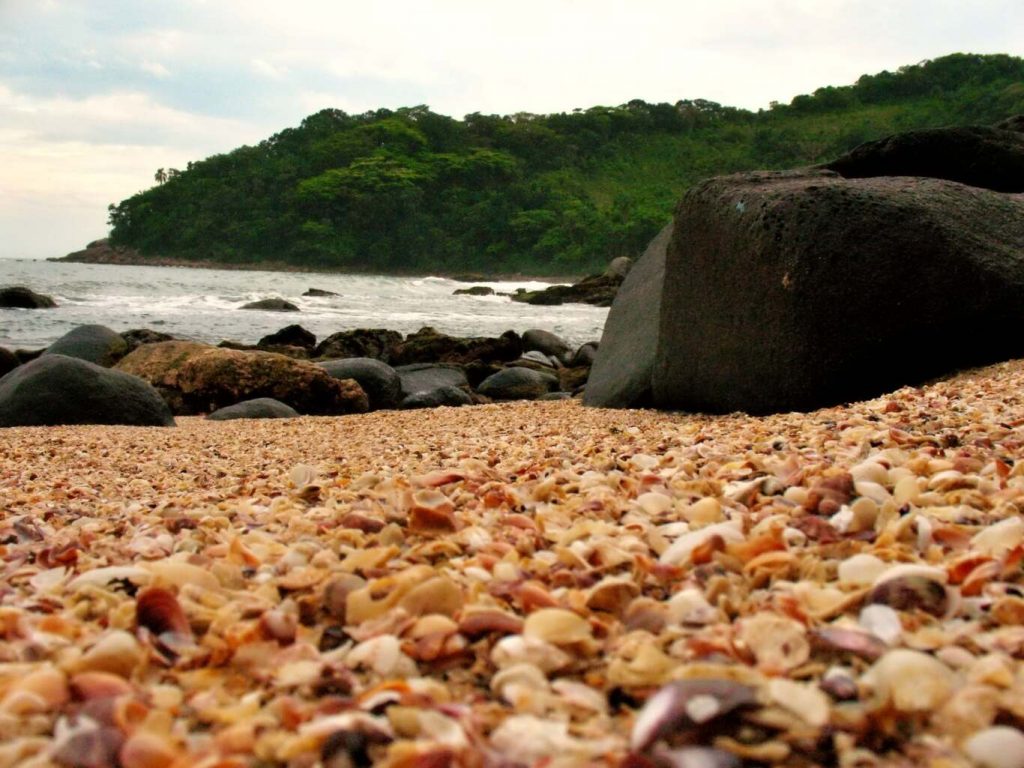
[409, 190]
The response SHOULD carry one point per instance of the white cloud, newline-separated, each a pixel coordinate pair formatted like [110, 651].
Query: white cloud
[266, 69]
[155, 68]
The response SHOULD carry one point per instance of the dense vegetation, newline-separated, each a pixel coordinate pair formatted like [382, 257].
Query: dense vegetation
[411, 190]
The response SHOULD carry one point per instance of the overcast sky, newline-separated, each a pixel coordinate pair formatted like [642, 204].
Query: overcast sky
[95, 95]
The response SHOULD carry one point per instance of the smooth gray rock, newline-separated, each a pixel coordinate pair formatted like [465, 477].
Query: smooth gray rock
[536, 356]
[422, 377]
[379, 381]
[56, 389]
[95, 343]
[548, 343]
[621, 373]
[619, 267]
[585, 355]
[517, 383]
[434, 398]
[258, 408]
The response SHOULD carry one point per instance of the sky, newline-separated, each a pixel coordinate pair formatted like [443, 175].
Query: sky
[95, 95]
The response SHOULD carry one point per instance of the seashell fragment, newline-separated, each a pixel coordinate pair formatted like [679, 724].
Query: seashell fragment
[861, 570]
[911, 592]
[777, 643]
[695, 757]
[1000, 746]
[680, 550]
[146, 749]
[862, 644]
[612, 594]
[804, 700]
[689, 606]
[911, 681]
[116, 651]
[38, 692]
[558, 627]
[882, 622]
[517, 648]
[159, 611]
[999, 538]
[685, 705]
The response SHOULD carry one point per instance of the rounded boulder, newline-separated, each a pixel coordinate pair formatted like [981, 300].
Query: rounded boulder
[379, 380]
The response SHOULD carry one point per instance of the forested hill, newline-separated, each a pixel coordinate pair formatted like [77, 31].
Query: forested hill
[414, 191]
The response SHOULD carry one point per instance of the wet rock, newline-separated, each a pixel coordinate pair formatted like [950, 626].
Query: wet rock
[197, 378]
[271, 305]
[20, 297]
[434, 398]
[474, 290]
[289, 336]
[319, 292]
[378, 343]
[425, 377]
[379, 380]
[8, 361]
[55, 389]
[517, 383]
[94, 343]
[430, 346]
[138, 336]
[548, 343]
[584, 355]
[258, 408]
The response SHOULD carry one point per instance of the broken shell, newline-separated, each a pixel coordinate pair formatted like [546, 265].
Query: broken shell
[910, 681]
[862, 644]
[685, 705]
[99, 685]
[777, 643]
[654, 504]
[689, 606]
[860, 570]
[882, 622]
[41, 691]
[912, 591]
[517, 648]
[145, 749]
[680, 550]
[999, 538]
[437, 595]
[804, 700]
[704, 512]
[383, 655]
[431, 512]
[521, 685]
[612, 594]
[159, 611]
[116, 651]
[998, 747]
[557, 626]
[337, 591]
[483, 621]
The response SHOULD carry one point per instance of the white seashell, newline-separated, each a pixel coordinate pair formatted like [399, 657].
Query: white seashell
[1000, 746]
[654, 503]
[806, 701]
[877, 493]
[557, 626]
[680, 549]
[906, 491]
[302, 475]
[911, 681]
[580, 695]
[46, 581]
[882, 622]
[924, 533]
[117, 651]
[793, 538]
[383, 655]
[101, 577]
[513, 649]
[689, 606]
[861, 570]
[999, 538]
[704, 512]
[870, 471]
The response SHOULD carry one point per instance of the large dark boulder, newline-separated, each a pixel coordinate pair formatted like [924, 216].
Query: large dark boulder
[977, 155]
[55, 389]
[20, 297]
[95, 343]
[8, 361]
[258, 408]
[428, 345]
[620, 376]
[517, 383]
[378, 343]
[289, 336]
[196, 378]
[379, 380]
[790, 291]
[271, 305]
[423, 377]
[453, 397]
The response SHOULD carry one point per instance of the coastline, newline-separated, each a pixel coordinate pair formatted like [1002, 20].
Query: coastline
[271, 266]
[519, 579]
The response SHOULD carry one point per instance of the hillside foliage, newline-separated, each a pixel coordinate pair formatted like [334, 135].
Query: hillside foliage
[410, 190]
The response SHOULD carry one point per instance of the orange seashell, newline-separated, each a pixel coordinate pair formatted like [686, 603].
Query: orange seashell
[486, 621]
[437, 478]
[144, 749]
[158, 610]
[975, 582]
[532, 595]
[703, 552]
[962, 567]
[99, 685]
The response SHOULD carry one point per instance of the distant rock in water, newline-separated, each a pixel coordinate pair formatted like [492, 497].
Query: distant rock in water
[102, 252]
[319, 292]
[20, 297]
[139, 336]
[598, 290]
[474, 290]
[271, 305]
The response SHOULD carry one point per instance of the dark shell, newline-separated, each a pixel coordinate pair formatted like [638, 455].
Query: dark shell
[686, 705]
[159, 611]
[910, 592]
[862, 644]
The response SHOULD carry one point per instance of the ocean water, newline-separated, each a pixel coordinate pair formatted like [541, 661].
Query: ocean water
[203, 304]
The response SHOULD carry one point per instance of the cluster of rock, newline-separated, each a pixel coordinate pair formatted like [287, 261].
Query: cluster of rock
[599, 290]
[777, 291]
[143, 377]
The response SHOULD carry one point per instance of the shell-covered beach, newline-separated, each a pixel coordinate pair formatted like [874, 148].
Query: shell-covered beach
[511, 584]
